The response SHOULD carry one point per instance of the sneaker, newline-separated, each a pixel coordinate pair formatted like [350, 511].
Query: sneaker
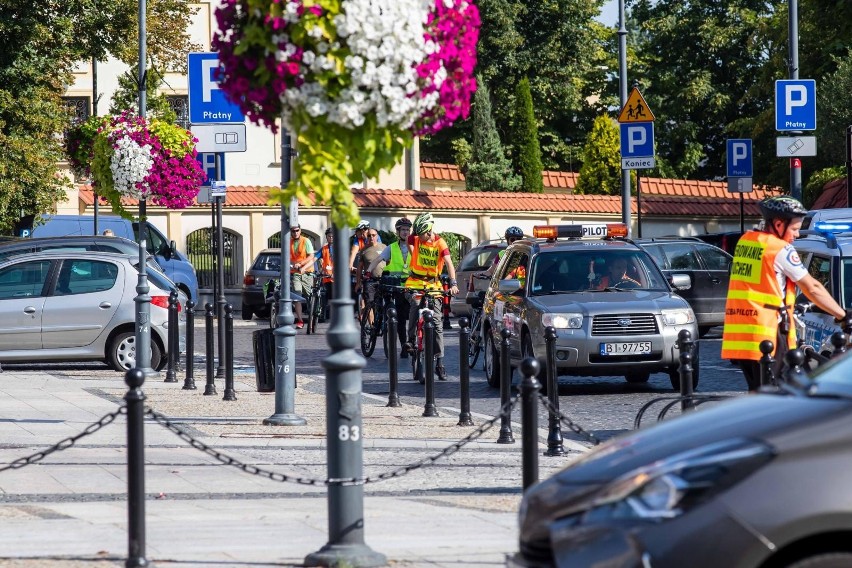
[404, 354]
[300, 324]
[441, 372]
[407, 348]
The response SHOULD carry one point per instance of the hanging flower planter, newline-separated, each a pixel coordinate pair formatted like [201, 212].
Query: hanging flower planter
[135, 159]
[353, 80]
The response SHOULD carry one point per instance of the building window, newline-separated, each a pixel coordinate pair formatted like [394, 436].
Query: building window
[78, 108]
[180, 106]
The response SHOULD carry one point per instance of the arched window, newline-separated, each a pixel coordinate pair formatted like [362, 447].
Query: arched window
[201, 248]
[275, 240]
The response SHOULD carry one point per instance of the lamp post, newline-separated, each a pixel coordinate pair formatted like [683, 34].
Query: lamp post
[285, 333]
[793, 68]
[622, 84]
[143, 299]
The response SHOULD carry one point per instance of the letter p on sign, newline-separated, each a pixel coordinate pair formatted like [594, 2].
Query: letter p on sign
[636, 138]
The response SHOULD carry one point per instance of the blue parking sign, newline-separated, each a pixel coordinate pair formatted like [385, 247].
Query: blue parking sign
[637, 139]
[208, 164]
[740, 162]
[795, 104]
[208, 104]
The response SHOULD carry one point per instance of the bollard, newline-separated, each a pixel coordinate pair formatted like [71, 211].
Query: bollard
[464, 373]
[210, 386]
[429, 363]
[795, 374]
[189, 381]
[135, 400]
[766, 361]
[505, 388]
[172, 339]
[529, 420]
[228, 356]
[838, 341]
[393, 355]
[685, 345]
[555, 446]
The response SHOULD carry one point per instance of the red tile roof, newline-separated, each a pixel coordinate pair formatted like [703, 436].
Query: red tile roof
[833, 195]
[709, 206]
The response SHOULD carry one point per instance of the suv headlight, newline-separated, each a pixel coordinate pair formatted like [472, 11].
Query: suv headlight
[563, 321]
[678, 317]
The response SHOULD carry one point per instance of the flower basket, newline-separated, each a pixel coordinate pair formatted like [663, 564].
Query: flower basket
[353, 80]
[140, 160]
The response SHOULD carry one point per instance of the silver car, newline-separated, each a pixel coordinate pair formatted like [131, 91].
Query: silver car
[79, 306]
[478, 259]
[613, 311]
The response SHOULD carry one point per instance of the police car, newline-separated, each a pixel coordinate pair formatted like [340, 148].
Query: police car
[613, 310]
[826, 252]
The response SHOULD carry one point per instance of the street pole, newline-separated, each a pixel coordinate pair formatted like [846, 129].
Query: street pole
[143, 300]
[793, 67]
[622, 83]
[95, 113]
[849, 166]
[285, 333]
[220, 283]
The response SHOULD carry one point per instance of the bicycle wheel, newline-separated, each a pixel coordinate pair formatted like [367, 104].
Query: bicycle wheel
[315, 312]
[474, 344]
[273, 314]
[368, 336]
[309, 314]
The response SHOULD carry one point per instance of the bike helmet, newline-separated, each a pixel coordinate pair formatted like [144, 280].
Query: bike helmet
[329, 231]
[514, 233]
[403, 223]
[422, 223]
[782, 207]
[362, 225]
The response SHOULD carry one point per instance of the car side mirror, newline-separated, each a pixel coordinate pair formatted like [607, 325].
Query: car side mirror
[509, 286]
[680, 281]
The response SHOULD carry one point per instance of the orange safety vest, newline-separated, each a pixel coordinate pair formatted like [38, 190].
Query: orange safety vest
[426, 264]
[753, 285]
[326, 261]
[299, 254]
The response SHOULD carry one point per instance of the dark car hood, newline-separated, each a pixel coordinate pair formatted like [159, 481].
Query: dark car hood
[596, 301]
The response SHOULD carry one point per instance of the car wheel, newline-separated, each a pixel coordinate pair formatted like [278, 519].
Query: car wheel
[674, 374]
[827, 560]
[637, 378]
[246, 312]
[491, 361]
[122, 353]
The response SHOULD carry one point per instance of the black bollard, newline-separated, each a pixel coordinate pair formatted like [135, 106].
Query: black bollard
[795, 374]
[173, 339]
[766, 361]
[429, 356]
[464, 373]
[393, 356]
[230, 394]
[210, 386]
[189, 381]
[839, 341]
[529, 420]
[135, 400]
[505, 389]
[685, 345]
[555, 446]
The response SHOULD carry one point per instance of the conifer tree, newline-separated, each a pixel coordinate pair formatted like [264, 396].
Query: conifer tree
[601, 171]
[526, 141]
[488, 169]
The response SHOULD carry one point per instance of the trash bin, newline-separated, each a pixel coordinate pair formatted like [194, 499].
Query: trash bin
[263, 341]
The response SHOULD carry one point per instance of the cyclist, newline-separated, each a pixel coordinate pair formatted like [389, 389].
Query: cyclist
[511, 235]
[301, 268]
[365, 260]
[326, 261]
[764, 274]
[397, 258]
[429, 254]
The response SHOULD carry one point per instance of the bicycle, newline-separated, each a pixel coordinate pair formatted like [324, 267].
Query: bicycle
[418, 358]
[475, 341]
[316, 303]
[372, 318]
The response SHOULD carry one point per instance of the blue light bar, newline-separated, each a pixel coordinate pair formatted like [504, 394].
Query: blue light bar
[833, 227]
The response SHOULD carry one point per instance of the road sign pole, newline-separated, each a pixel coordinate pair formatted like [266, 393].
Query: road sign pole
[849, 166]
[622, 85]
[793, 42]
[638, 204]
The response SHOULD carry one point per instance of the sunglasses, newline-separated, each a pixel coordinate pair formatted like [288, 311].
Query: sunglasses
[373, 235]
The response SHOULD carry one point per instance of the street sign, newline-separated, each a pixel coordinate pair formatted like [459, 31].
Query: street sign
[740, 185]
[220, 137]
[795, 104]
[637, 140]
[635, 109]
[740, 162]
[206, 102]
[218, 189]
[637, 163]
[795, 146]
[209, 162]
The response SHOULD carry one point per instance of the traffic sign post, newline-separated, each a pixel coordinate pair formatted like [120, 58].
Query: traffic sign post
[740, 157]
[207, 103]
[795, 104]
[795, 146]
[637, 145]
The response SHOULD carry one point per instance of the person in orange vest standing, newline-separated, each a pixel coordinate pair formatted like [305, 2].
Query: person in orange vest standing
[327, 270]
[302, 260]
[429, 254]
[764, 274]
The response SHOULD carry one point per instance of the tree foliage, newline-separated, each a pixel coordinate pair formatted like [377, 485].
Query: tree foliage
[526, 140]
[601, 171]
[489, 169]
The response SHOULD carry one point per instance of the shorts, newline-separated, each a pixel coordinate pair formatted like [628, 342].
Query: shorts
[302, 283]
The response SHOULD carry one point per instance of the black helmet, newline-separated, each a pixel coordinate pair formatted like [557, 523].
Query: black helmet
[514, 233]
[403, 222]
[782, 207]
[329, 231]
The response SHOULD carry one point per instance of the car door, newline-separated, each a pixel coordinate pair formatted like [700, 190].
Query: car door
[681, 258]
[717, 265]
[513, 303]
[22, 297]
[86, 295]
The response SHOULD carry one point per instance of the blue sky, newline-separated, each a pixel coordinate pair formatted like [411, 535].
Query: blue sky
[609, 13]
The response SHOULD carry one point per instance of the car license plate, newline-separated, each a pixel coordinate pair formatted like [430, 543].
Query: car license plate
[631, 348]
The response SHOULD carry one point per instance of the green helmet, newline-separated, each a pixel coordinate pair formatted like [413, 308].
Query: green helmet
[423, 223]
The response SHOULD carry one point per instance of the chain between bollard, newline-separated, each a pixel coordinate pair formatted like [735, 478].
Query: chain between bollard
[574, 427]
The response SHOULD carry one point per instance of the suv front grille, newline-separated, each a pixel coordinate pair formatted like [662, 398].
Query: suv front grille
[624, 324]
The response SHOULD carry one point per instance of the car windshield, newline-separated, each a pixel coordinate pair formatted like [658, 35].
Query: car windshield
[479, 258]
[268, 262]
[588, 270]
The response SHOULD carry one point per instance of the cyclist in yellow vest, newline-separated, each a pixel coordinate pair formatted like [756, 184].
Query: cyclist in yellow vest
[429, 254]
[301, 269]
[764, 274]
[397, 257]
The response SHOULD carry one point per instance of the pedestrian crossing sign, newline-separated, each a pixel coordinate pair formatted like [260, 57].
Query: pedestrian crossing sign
[635, 109]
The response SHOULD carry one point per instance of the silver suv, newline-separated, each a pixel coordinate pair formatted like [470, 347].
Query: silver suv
[612, 308]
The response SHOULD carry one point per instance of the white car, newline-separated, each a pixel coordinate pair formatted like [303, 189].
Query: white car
[79, 306]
